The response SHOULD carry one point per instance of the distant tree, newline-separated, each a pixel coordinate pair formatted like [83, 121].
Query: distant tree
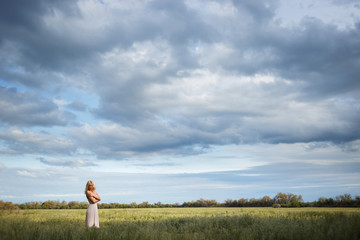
[200, 203]
[346, 197]
[230, 203]
[144, 204]
[73, 205]
[7, 205]
[321, 202]
[104, 205]
[8, 208]
[266, 201]
[83, 205]
[64, 205]
[253, 202]
[48, 205]
[133, 205]
[30, 205]
[281, 198]
[288, 199]
[158, 205]
[242, 202]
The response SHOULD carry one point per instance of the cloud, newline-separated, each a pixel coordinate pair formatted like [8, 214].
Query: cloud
[35, 55]
[175, 78]
[29, 109]
[68, 163]
[25, 173]
[18, 13]
[110, 140]
[57, 196]
[319, 55]
[274, 85]
[28, 142]
[77, 105]
[341, 2]
[353, 146]
[206, 109]
[166, 164]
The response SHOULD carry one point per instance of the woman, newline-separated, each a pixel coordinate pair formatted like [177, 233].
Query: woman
[92, 215]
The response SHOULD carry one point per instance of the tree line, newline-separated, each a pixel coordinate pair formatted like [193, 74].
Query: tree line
[280, 200]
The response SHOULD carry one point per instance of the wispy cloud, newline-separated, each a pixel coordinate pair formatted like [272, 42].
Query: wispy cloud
[25, 173]
[68, 163]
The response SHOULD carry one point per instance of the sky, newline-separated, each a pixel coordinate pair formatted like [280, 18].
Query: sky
[173, 101]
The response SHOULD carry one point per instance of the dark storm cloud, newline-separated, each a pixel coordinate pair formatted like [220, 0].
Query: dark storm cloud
[322, 56]
[35, 55]
[22, 22]
[29, 109]
[24, 13]
[21, 13]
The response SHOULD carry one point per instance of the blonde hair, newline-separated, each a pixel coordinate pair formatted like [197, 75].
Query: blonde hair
[88, 184]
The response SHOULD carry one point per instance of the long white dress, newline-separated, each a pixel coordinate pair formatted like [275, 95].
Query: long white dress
[92, 215]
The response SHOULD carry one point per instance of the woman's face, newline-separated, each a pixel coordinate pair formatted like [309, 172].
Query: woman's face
[91, 187]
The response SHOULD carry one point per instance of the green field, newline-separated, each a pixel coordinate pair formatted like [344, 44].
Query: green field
[186, 223]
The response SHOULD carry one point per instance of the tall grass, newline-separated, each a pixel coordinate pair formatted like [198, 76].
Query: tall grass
[186, 223]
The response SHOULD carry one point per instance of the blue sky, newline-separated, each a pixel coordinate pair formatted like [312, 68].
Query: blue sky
[174, 101]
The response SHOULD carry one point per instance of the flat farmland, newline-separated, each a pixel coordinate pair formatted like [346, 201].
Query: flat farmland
[185, 223]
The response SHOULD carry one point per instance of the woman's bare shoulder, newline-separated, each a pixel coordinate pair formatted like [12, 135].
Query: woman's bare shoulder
[89, 193]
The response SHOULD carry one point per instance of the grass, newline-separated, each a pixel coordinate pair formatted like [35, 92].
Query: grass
[186, 223]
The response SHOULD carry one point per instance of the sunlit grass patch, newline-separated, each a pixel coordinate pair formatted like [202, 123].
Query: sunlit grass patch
[186, 223]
